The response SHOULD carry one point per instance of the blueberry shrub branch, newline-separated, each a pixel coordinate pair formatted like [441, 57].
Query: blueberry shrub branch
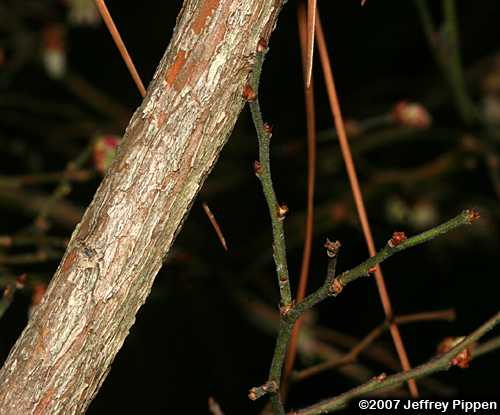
[290, 312]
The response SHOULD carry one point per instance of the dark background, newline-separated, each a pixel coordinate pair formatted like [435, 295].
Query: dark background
[194, 338]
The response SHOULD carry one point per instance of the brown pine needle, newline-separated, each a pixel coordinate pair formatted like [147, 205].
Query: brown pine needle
[311, 24]
[311, 173]
[216, 226]
[358, 199]
[110, 24]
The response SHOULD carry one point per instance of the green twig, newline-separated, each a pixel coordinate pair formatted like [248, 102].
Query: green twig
[440, 363]
[263, 171]
[356, 350]
[486, 347]
[447, 55]
[365, 268]
[397, 243]
[277, 213]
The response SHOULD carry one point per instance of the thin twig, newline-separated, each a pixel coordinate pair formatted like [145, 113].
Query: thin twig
[110, 24]
[439, 363]
[277, 214]
[353, 354]
[263, 172]
[446, 53]
[95, 97]
[486, 347]
[333, 288]
[364, 269]
[43, 178]
[215, 225]
[358, 197]
[31, 258]
[28, 240]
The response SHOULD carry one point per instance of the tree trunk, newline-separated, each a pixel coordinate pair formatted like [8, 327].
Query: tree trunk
[171, 144]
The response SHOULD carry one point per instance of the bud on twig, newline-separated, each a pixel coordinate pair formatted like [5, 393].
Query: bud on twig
[332, 248]
[268, 128]
[282, 211]
[248, 93]
[257, 167]
[473, 215]
[262, 46]
[462, 359]
[397, 239]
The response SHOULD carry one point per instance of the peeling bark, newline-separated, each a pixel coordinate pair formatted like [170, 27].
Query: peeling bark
[171, 144]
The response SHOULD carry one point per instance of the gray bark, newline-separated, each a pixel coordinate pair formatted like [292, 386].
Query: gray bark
[172, 142]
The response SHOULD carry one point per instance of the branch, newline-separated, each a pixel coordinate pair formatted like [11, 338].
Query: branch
[440, 363]
[366, 268]
[333, 286]
[355, 351]
[263, 172]
[447, 55]
[171, 144]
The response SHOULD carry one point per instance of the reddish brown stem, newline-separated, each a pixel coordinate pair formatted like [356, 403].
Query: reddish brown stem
[216, 226]
[110, 24]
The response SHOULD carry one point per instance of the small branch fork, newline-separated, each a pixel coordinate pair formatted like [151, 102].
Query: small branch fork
[289, 311]
[333, 285]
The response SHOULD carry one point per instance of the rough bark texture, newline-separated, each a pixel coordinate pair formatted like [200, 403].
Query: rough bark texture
[173, 140]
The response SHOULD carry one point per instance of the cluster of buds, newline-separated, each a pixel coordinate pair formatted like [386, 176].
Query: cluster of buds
[473, 215]
[411, 114]
[259, 392]
[336, 287]
[104, 151]
[462, 359]
[397, 239]
[332, 248]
